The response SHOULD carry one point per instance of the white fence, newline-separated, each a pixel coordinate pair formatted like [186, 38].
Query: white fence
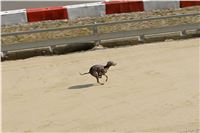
[86, 10]
[163, 4]
[13, 17]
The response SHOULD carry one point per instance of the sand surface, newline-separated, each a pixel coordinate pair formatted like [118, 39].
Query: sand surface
[154, 87]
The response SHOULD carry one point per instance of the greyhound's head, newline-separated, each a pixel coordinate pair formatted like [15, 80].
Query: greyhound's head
[111, 63]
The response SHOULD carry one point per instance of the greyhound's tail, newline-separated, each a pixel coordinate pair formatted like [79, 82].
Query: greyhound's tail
[83, 73]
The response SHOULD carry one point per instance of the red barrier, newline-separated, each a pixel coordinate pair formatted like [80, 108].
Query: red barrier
[189, 3]
[49, 13]
[124, 6]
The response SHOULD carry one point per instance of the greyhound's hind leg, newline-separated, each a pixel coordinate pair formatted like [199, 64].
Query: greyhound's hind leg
[99, 82]
[97, 77]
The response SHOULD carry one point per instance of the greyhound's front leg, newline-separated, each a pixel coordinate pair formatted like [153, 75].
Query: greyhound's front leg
[106, 77]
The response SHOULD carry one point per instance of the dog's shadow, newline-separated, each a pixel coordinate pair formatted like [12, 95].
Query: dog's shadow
[82, 86]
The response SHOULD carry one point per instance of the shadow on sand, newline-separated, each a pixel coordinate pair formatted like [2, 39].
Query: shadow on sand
[81, 86]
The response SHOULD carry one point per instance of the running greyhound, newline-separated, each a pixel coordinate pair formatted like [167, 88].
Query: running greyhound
[98, 70]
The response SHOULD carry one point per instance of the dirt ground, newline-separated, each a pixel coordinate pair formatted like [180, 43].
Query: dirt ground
[154, 87]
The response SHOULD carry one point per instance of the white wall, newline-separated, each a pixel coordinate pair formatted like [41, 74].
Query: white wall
[86, 10]
[13, 17]
[161, 4]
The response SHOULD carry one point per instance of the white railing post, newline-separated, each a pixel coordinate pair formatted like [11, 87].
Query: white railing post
[51, 49]
[141, 38]
[183, 33]
[95, 31]
[4, 54]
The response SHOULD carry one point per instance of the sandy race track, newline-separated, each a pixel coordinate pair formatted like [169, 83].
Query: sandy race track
[154, 87]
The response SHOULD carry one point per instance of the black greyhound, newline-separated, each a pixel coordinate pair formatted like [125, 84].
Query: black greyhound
[98, 70]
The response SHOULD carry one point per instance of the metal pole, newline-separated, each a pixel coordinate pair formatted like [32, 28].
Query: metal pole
[95, 31]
